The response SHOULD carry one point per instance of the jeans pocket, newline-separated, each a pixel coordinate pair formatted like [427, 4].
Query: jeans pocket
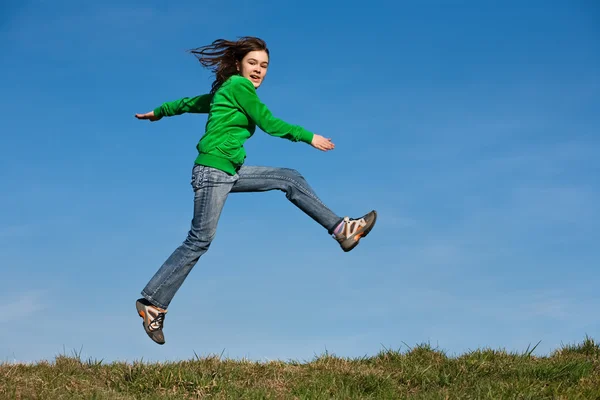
[198, 174]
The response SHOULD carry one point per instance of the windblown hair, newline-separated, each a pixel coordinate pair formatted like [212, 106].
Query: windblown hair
[221, 56]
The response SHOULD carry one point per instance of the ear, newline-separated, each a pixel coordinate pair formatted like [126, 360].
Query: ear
[237, 66]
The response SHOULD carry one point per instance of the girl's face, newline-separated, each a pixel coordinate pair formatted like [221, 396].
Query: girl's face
[254, 66]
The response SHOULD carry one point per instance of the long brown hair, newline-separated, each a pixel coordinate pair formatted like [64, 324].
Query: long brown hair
[221, 56]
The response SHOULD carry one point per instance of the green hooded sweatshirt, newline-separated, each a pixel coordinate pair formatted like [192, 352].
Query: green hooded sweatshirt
[234, 111]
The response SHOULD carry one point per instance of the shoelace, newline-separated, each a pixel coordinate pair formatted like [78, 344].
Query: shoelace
[157, 323]
[354, 225]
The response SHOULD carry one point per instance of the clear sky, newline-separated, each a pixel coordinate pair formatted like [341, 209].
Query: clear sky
[472, 127]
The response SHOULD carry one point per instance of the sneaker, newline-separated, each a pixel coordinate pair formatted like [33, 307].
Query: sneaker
[153, 319]
[354, 229]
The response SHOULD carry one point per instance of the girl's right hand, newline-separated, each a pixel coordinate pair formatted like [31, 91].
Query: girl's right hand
[149, 116]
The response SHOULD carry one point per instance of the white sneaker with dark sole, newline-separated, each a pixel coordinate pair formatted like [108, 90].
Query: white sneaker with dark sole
[355, 229]
[153, 319]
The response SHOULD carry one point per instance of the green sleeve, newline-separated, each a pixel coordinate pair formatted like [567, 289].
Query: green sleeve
[245, 95]
[198, 105]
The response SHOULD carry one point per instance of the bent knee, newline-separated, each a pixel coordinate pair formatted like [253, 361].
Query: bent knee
[198, 241]
[293, 174]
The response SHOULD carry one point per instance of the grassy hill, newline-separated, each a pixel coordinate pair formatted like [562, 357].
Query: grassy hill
[572, 372]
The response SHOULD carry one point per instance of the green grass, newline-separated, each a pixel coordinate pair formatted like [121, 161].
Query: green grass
[572, 372]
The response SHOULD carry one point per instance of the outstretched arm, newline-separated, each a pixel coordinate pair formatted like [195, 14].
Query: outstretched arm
[197, 105]
[245, 95]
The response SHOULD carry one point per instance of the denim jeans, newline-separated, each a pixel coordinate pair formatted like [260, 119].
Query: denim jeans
[211, 188]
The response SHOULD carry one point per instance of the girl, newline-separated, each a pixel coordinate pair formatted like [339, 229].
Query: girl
[234, 111]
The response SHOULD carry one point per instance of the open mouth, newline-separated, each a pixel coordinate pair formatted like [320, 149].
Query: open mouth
[255, 78]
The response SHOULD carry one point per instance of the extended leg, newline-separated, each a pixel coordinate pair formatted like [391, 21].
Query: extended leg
[211, 188]
[297, 190]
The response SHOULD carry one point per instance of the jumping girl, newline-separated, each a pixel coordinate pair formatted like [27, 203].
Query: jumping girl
[234, 111]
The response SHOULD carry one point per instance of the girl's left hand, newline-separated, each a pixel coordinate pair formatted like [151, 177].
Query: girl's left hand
[322, 143]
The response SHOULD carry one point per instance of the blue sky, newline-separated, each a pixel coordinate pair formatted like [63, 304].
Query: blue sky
[472, 127]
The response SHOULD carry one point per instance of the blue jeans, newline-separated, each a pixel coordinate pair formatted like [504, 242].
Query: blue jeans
[211, 188]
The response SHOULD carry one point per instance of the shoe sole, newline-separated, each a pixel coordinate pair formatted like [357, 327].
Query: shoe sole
[362, 234]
